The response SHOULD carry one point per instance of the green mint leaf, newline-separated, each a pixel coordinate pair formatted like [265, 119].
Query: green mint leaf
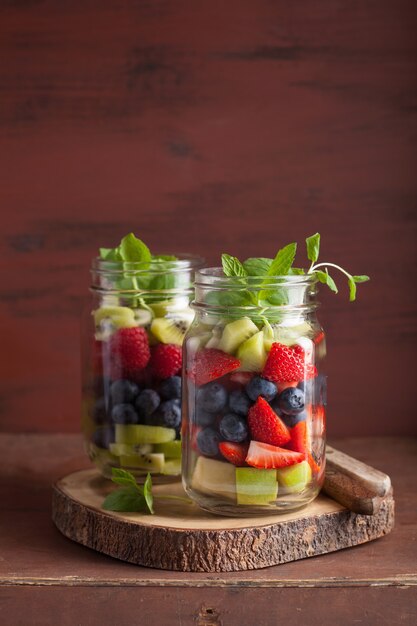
[360, 279]
[352, 289]
[281, 265]
[133, 250]
[326, 279]
[110, 254]
[296, 271]
[232, 266]
[313, 247]
[147, 493]
[257, 266]
[123, 477]
[128, 499]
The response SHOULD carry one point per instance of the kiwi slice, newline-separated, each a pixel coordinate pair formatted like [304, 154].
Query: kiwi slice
[171, 449]
[235, 333]
[172, 467]
[214, 477]
[102, 456]
[125, 449]
[169, 330]
[117, 316]
[150, 462]
[288, 335]
[139, 434]
[294, 478]
[175, 305]
[256, 486]
[143, 317]
[252, 353]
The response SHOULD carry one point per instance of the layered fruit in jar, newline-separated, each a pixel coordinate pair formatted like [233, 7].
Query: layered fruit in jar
[256, 414]
[132, 372]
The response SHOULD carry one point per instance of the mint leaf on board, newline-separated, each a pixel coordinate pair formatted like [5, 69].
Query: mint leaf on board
[283, 261]
[326, 279]
[257, 266]
[147, 493]
[232, 266]
[313, 247]
[133, 250]
[361, 279]
[123, 477]
[128, 499]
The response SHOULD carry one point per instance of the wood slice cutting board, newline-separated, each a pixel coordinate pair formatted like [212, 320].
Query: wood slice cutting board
[183, 537]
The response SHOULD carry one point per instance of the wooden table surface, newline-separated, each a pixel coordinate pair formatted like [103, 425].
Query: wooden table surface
[46, 579]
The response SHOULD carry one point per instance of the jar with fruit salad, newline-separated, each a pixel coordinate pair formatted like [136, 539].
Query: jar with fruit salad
[254, 387]
[131, 356]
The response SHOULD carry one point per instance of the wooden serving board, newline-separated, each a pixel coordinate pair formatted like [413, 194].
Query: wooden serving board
[183, 537]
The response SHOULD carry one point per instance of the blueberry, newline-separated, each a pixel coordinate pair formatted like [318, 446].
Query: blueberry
[99, 411]
[233, 428]
[292, 420]
[261, 387]
[124, 414]
[275, 407]
[291, 400]
[208, 441]
[169, 414]
[212, 397]
[123, 391]
[170, 388]
[103, 437]
[203, 418]
[147, 402]
[239, 402]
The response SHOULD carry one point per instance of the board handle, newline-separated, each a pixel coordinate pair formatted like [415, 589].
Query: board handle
[357, 486]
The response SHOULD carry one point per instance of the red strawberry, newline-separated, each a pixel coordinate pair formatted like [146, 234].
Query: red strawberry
[283, 386]
[210, 364]
[299, 441]
[286, 364]
[319, 338]
[315, 468]
[265, 425]
[234, 452]
[241, 378]
[129, 349]
[264, 456]
[166, 360]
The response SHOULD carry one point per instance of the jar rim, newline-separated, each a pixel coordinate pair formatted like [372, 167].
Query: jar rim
[184, 261]
[215, 277]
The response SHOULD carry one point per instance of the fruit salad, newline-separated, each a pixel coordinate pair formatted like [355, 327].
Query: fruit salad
[254, 385]
[132, 370]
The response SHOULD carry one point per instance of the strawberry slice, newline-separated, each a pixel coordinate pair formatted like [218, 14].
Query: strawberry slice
[210, 364]
[234, 452]
[265, 425]
[241, 378]
[286, 364]
[299, 441]
[264, 456]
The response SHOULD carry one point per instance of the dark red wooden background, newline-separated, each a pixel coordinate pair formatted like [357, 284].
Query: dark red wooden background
[208, 126]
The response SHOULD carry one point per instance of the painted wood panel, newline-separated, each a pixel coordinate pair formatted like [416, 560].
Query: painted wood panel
[208, 127]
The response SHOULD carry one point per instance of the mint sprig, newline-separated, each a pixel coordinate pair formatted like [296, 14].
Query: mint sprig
[313, 248]
[281, 265]
[132, 497]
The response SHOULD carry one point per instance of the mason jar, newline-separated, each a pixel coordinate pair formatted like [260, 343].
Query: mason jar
[254, 394]
[133, 332]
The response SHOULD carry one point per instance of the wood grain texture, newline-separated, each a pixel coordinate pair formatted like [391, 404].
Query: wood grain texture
[44, 575]
[205, 128]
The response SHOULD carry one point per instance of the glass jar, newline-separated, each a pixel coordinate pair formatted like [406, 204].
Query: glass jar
[131, 361]
[254, 395]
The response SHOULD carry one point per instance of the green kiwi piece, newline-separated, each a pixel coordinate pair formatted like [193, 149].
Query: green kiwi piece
[252, 353]
[140, 434]
[172, 467]
[171, 449]
[150, 462]
[294, 478]
[125, 449]
[256, 486]
[169, 330]
[117, 316]
[235, 333]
